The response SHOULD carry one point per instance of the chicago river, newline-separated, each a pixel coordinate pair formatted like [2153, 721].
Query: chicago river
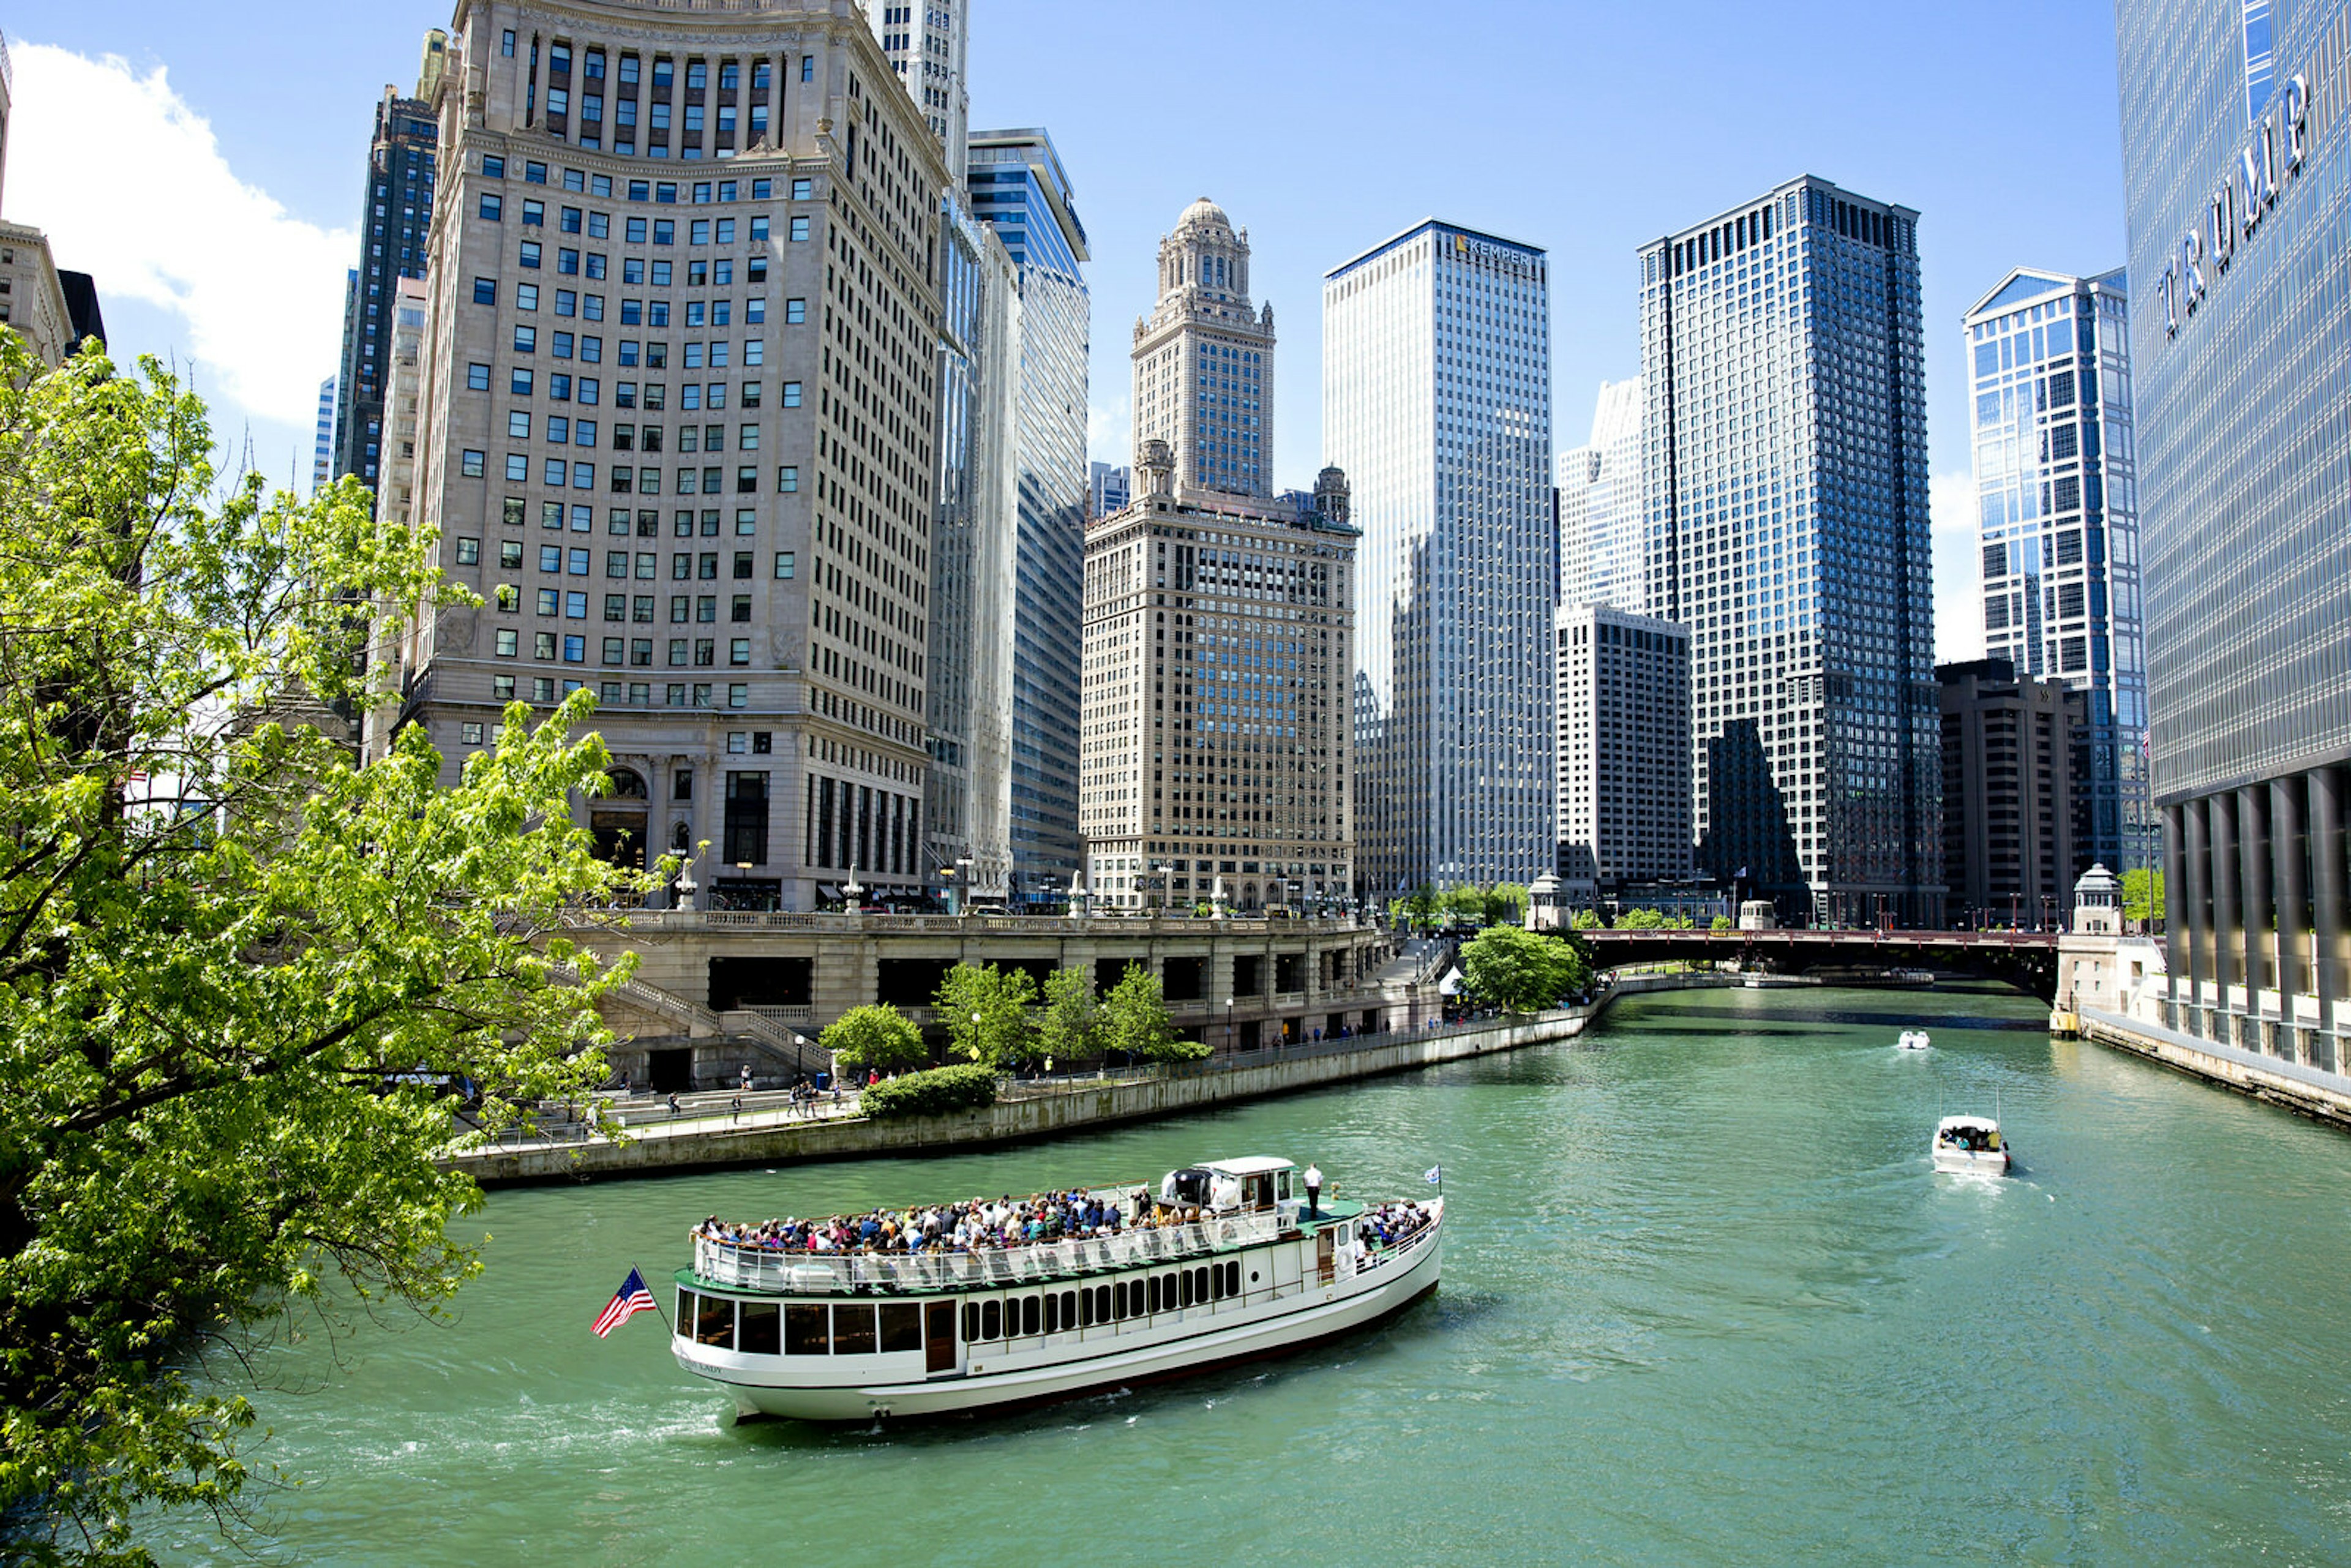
[1703, 1302]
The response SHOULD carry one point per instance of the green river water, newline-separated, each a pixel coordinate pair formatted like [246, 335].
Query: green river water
[1703, 1302]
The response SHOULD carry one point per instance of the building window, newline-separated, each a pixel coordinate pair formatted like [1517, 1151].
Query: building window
[791, 395]
[745, 830]
[470, 463]
[787, 563]
[493, 206]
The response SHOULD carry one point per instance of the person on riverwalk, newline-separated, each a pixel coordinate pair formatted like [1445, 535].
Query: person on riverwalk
[1313, 1191]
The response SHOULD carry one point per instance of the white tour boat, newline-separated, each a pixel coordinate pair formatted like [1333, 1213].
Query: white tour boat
[1969, 1144]
[1913, 1040]
[1225, 1263]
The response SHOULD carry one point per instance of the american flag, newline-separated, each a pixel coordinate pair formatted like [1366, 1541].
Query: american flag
[627, 1301]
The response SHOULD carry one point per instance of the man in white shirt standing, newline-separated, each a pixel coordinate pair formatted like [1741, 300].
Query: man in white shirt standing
[1313, 1191]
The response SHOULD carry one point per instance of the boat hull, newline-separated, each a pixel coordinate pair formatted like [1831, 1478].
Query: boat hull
[1322, 1312]
[1958, 1162]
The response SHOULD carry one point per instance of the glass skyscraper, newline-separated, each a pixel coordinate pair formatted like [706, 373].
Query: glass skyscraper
[1600, 525]
[2241, 365]
[1437, 402]
[2056, 507]
[395, 227]
[1785, 497]
[1019, 189]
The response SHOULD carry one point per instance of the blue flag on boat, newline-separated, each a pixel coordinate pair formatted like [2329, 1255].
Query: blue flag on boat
[1434, 1176]
[627, 1301]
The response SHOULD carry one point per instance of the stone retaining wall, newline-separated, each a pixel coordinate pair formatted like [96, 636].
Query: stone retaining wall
[2325, 1095]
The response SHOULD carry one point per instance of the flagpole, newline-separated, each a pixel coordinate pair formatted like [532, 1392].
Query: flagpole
[656, 1296]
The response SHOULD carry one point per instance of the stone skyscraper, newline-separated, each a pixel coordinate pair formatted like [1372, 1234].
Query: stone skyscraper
[1785, 497]
[927, 44]
[675, 422]
[395, 230]
[2057, 506]
[1436, 402]
[1204, 360]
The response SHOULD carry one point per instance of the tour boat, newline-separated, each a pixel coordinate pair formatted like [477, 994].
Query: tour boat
[1229, 1262]
[1969, 1144]
[1913, 1040]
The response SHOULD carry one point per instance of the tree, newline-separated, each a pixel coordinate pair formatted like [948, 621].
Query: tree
[1068, 1022]
[1506, 904]
[880, 1038]
[1723, 922]
[1421, 905]
[1522, 971]
[1464, 905]
[1587, 919]
[1135, 1020]
[220, 941]
[986, 1010]
[2142, 893]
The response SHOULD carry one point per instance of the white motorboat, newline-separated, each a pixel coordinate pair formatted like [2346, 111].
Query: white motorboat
[1965, 1145]
[1913, 1040]
[1231, 1261]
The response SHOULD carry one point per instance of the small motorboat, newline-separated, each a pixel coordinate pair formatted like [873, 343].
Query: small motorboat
[1970, 1143]
[1913, 1040]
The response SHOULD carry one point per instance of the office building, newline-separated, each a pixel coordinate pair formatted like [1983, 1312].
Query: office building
[1436, 402]
[1623, 751]
[1019, 190]
[1600, 526]
[1204, 360]
[970, 672]
[2057, 506]
[926, 46]
[1784, 490]
[2015, 767]
[1218, 660]
[1113, 487]
[322, 443]
[395, 232]
[2235, 147]
[676, 428]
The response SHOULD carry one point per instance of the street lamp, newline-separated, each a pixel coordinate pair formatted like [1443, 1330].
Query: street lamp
[743, 871]
[1159, 880]
[963, 904]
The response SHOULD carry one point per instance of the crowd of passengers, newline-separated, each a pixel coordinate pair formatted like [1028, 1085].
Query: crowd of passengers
[1391, 1224]
[973, 1227]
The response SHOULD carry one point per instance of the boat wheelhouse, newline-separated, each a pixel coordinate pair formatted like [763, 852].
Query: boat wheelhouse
[1226, 1262]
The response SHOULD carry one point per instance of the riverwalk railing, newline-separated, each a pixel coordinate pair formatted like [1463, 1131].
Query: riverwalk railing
[752, 1268]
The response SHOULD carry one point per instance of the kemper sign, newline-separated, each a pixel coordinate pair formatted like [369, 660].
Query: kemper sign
[2233, 212]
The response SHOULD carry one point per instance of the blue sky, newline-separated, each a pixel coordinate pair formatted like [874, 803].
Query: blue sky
[1321, 128]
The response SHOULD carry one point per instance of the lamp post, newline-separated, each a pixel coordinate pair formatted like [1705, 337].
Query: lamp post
[1159, 887]
[1229, 1027]
[686, 885]
[962, 864]
[743, 874]
[947, 876]
[853, 889]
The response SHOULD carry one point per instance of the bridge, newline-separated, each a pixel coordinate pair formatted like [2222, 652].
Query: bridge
[2025, 959]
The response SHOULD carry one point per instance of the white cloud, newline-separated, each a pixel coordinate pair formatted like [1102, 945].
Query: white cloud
[1959, 606]
[1110, 431]
[129, 181]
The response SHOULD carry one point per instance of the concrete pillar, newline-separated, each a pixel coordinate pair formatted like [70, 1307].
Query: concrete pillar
[2228, 886]
[2201, 960]
[2178, 927]
[2326, 896]
[2293, 923]
[2253, 871]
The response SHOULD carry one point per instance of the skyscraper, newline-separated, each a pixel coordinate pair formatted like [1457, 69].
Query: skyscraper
[1437, 402]
[1019, 190]
[1217, 661]
[675, 423]
[1623, 750]
[395, 228]
[928, 45]
[1784, 492]
[1600, 506]
[1204, 360]
[322, 446]
[1113, 487]
[2235, 141]
[2014, 765]
[2056, 505]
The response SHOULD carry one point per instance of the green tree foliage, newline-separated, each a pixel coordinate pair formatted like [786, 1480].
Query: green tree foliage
[218, 940]
[1723, 922]
[1522, 971]
[1464, 905]
[1420, 908]
[880, 1038]
[1069, 1018]
[1135, 1020]
[1506, 904]
[1653, 920]
[1586, 920]
[936, 1092]
[2142, 893]
[986, 1010]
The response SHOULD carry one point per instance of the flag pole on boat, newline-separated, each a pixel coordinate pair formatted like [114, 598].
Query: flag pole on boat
[1435, 1176]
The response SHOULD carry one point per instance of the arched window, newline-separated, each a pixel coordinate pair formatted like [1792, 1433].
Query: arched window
[680, 838]
[628, 784]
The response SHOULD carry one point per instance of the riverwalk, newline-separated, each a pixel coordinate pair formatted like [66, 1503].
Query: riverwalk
[719, 1136]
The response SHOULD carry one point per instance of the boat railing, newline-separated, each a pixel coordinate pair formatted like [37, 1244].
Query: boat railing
[1369, 1259]
[754, 1267]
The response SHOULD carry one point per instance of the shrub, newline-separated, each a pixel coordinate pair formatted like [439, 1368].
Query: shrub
[936, 1093]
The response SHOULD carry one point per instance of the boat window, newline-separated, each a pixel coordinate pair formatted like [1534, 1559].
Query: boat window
[1200, 1283]
[1053, 1313]
[714, 1324]
[1284, 1177]
[1029, 1312]
[902, 1326]
[991, 1319]
[1155, 1292]
[970, 1322]
[1101, 1303]
[684, 1319]
[1233, 1278]
[761, 1330]
[1069, 1307]
[1216, 1284]
[1118, 1301]
[1183, 1277]
[852, 1330]
[804, 1331]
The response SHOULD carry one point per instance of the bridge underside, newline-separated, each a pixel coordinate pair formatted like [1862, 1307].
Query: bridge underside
[2029, 964]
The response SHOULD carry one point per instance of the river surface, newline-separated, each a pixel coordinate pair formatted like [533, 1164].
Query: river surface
[1703, 1302]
